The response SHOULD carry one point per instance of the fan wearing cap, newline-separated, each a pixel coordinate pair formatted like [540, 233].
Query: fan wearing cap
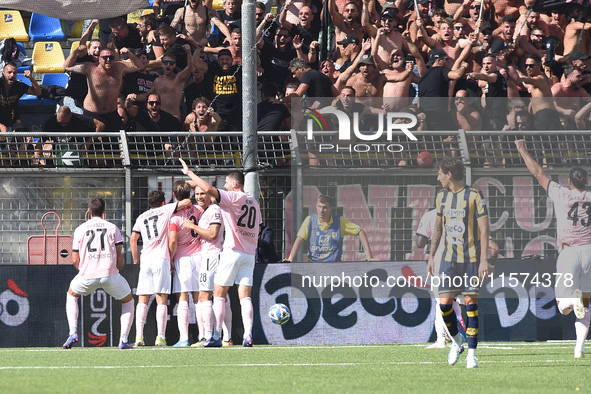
[580, 60]
[472, 9]
[435, 84]
[369, 82]
[170, 85]
[351, 46]
[345, 24]
[390, 39]
[505, 65]
[227, 88]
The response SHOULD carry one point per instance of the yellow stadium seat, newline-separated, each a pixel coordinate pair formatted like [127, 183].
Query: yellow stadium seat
[218, 4]
[148, 11]
[134, 17]
[75, 45]
[48, 57]
[78, 29]
[12, 25]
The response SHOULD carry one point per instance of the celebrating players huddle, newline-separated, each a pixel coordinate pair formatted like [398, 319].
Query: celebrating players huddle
[183, 252]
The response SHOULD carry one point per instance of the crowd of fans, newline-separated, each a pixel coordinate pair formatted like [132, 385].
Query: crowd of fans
[506, 66]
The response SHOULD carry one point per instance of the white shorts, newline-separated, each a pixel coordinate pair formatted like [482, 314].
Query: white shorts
[186, 274]
[115, 285]
[154, 276]
[574, 265]
[234, 267]
[207, 273]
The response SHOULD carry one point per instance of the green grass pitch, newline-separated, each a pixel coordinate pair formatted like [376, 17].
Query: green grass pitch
[536, 367]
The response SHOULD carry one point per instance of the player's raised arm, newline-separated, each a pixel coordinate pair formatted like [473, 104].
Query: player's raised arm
[533, 167]
[206, 187]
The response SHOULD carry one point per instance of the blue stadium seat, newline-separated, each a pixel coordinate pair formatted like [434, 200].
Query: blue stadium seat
[45, 28]
[22, 49]
[27, 99]
[53, 79]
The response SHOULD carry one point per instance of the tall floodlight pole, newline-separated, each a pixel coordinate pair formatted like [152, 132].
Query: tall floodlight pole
[249, 98]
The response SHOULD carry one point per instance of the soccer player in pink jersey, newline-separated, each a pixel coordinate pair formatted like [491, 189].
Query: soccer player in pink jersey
[155, 268]
[572, 207]
[209, 228]
[96, 253]
[185, 251]
[242, 218]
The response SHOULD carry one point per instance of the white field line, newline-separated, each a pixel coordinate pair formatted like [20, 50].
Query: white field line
[483, 345]
[217, 365]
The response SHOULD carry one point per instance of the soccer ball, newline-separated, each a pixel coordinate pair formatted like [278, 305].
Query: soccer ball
[279, 314]
[425, 159]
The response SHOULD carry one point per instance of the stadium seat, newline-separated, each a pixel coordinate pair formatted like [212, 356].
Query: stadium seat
[134, 17]
[48, 57]
[22, 49]
[12, 25]
[27, 99]
[45, 28]
[78, 29]
[75, 45]
[53, 79]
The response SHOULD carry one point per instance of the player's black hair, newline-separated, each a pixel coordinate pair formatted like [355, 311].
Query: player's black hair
[96, 207]
[181, 190]
[156, 198]
[508, 19]
[455, 166]
[236, 176]
[578, 177]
